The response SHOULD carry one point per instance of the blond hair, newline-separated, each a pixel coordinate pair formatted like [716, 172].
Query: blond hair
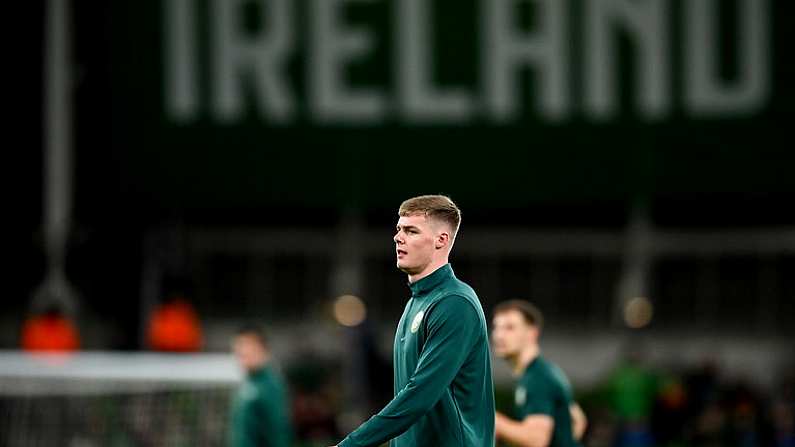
[436, 207]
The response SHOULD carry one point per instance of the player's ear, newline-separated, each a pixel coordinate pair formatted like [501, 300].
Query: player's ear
[442, 240]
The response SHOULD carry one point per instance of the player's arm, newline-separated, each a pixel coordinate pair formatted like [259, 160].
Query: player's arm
[274, 425]
[453, 326]
[534, 430]
[245, 429]
[579, 422]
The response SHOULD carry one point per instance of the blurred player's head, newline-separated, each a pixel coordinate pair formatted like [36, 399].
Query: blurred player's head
[516, 327]
[250, 347]
[426, 230]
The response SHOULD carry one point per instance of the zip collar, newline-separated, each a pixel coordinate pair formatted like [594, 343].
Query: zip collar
[432, 281]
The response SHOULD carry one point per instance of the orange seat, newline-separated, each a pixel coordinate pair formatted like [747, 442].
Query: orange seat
[174, 327]
[49, 333]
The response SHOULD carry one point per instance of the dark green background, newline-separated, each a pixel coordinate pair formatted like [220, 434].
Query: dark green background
[251, 163]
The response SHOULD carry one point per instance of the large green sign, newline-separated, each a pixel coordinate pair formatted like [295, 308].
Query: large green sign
[334, 102]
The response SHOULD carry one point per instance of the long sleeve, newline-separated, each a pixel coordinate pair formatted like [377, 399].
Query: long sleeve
[260, 414]
[246, 426]
[276, 417]
[453, 327]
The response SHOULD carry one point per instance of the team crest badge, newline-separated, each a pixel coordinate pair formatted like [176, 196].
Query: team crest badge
[520, 396]
[415, 324]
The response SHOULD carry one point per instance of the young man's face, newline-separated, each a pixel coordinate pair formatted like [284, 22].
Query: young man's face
[250, 353]
[415, 243]
[510, 333]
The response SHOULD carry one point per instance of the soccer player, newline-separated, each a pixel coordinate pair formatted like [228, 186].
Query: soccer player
[260, 411]
[444, 394]
[545, 413]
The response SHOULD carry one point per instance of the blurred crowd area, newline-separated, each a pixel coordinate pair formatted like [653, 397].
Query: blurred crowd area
[640, 407]
[633, 406]
[694, 406]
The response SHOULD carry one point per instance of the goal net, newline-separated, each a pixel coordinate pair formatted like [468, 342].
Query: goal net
[115, 399]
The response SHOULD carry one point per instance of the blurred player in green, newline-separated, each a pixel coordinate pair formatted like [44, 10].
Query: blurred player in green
[444, 395]
[260, 411]
[545, 413]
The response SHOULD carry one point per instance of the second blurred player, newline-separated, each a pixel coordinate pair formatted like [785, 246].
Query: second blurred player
[545, 413]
